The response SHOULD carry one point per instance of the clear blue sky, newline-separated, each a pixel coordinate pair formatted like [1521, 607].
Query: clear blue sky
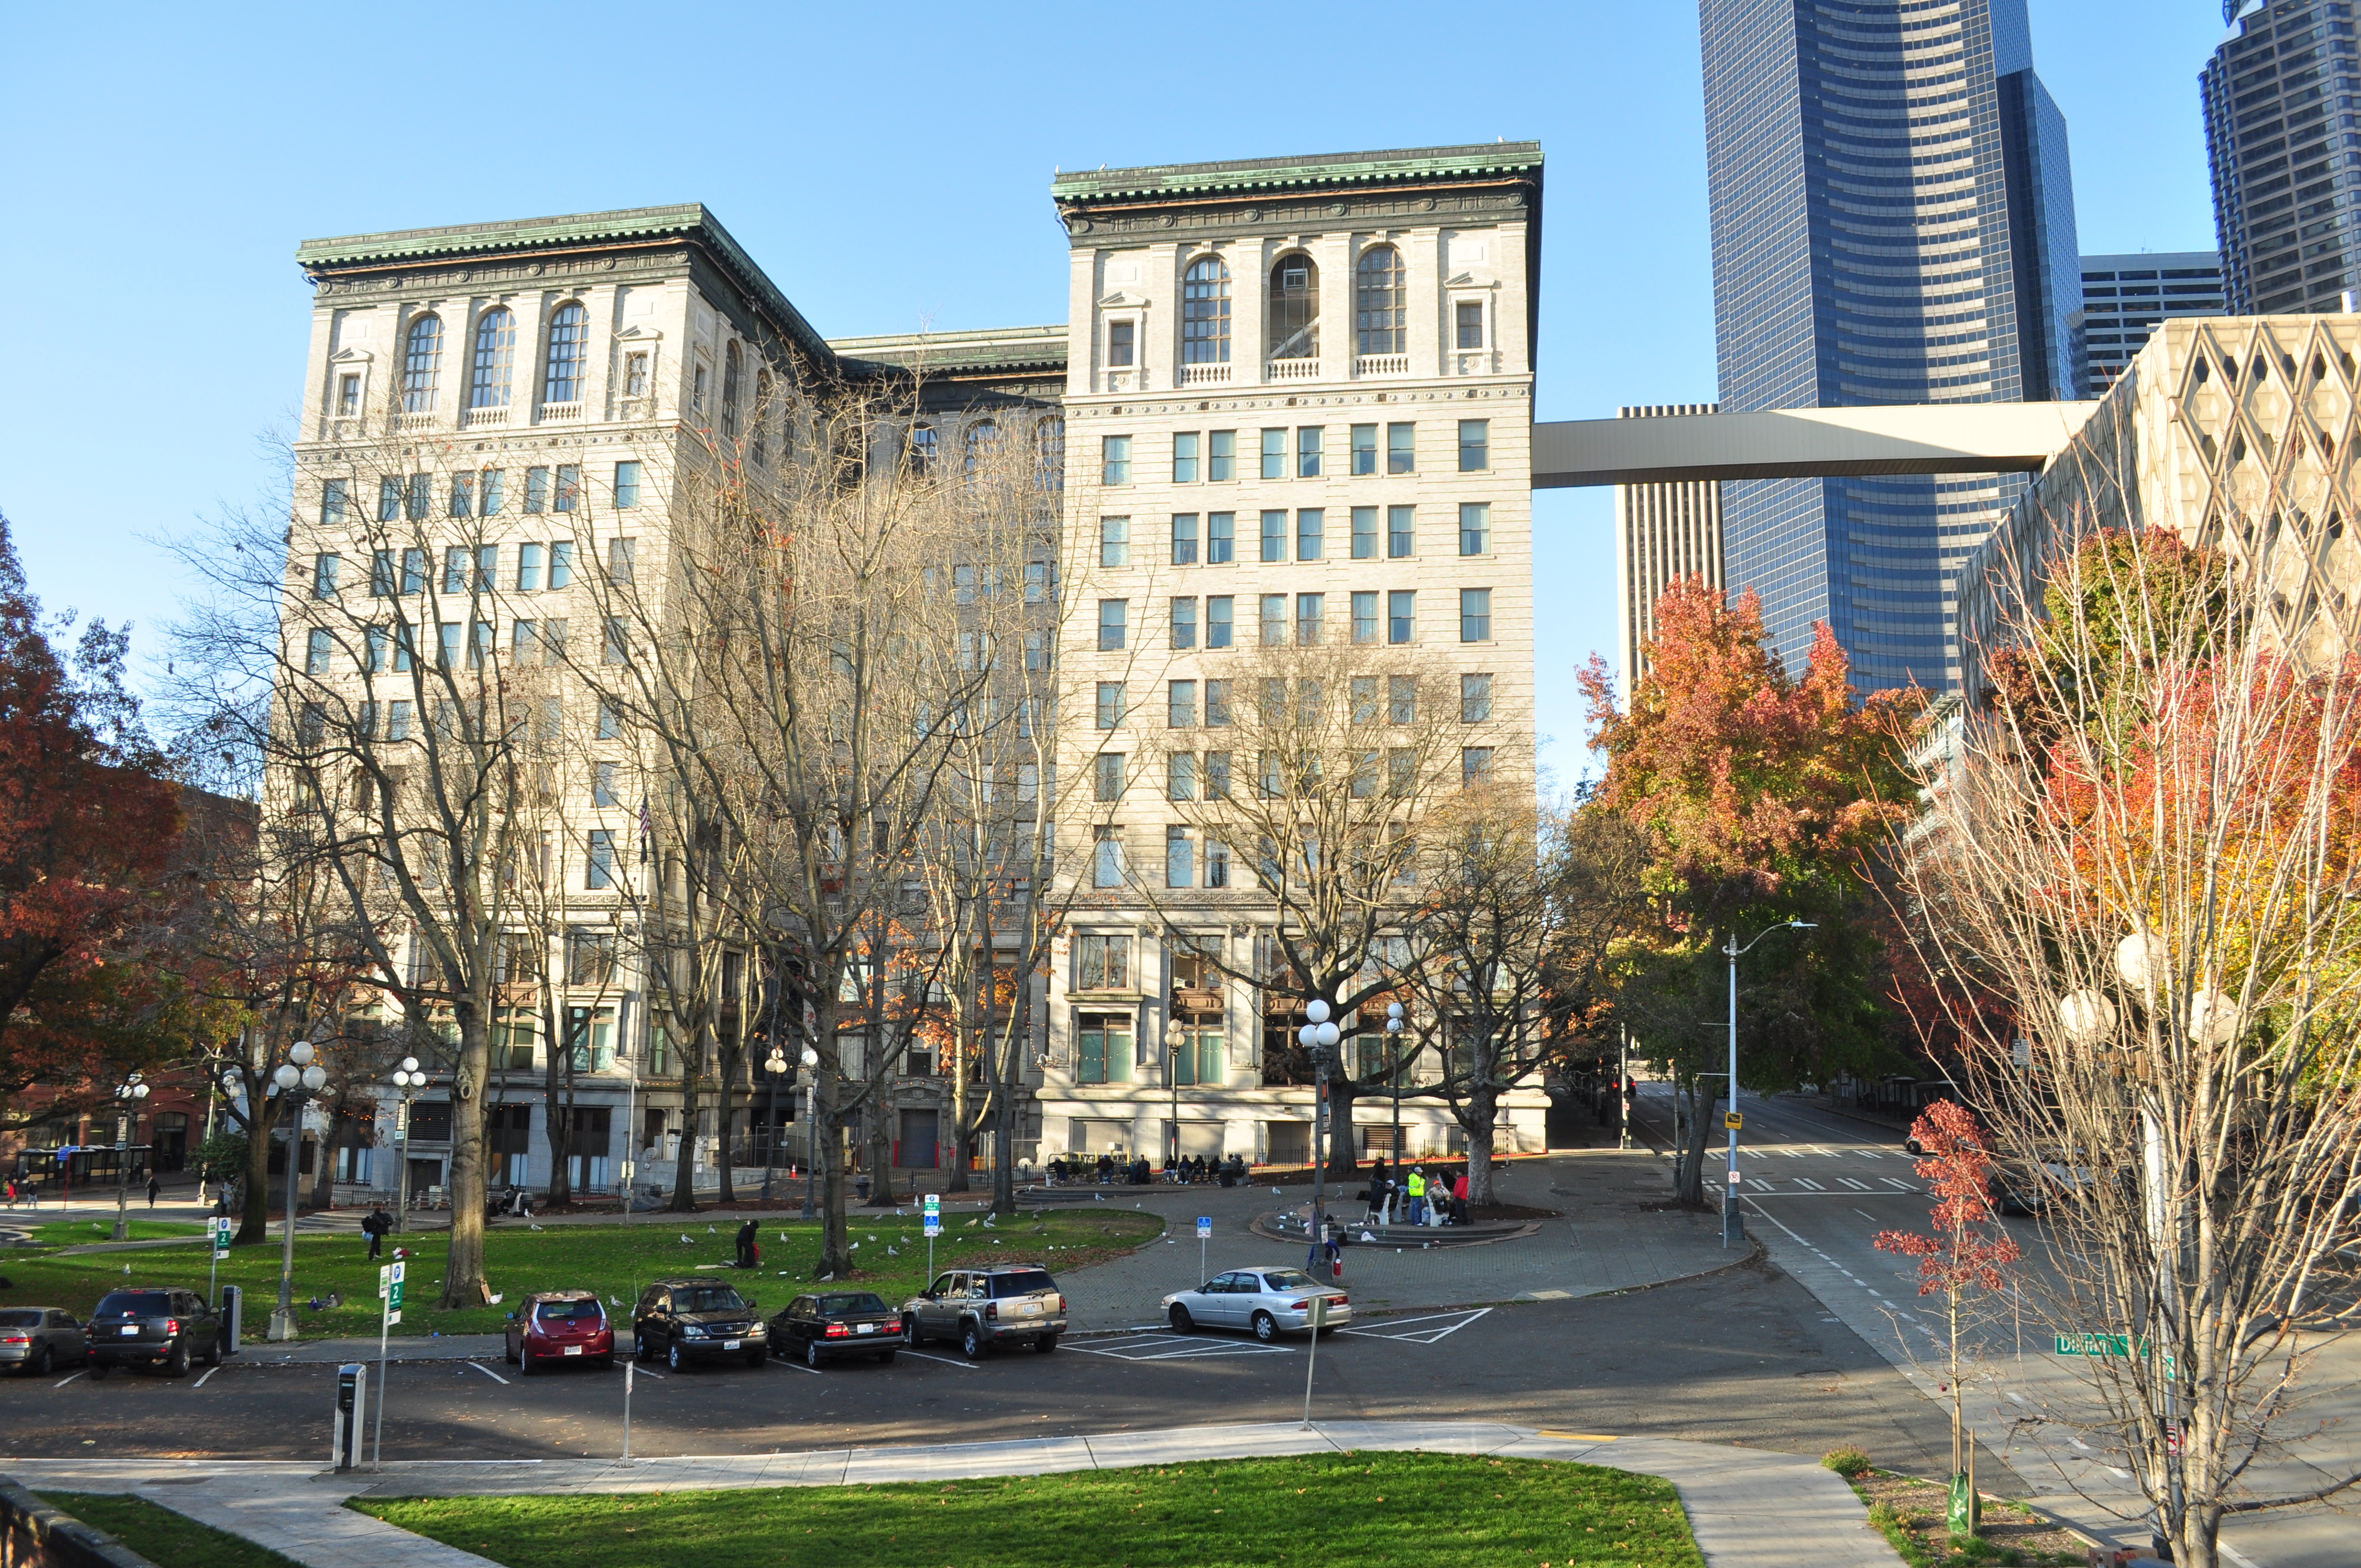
[888, 168]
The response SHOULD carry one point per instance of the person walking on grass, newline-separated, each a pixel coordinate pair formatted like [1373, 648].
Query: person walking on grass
[374, 1225]
[155, 1186]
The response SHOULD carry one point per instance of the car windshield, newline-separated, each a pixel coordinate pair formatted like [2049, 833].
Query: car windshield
[844, 1305]
[1285, 1280]
[707, 1298]
[1025, 1282]
[20, 1319]
[581, 1311]
[135, 1304]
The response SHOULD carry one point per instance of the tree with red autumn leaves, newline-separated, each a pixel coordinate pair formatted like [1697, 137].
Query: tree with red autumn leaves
[87, 835]
[1765, 796]
[1968, 1250]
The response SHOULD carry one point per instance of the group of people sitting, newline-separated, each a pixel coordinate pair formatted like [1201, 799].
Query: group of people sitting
[1417, 1196]
[1138, 1172]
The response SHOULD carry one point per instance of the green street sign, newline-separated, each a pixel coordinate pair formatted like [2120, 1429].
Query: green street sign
[220, 1228]
[2096, 1345]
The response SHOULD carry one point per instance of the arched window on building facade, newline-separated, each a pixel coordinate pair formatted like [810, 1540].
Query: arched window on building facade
[487, 383]
[422, 361]
[569, 333]
[1294, 308]
[1205, 313]
[1381, 303]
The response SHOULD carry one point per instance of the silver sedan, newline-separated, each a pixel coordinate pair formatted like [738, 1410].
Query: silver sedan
[1269, 1302]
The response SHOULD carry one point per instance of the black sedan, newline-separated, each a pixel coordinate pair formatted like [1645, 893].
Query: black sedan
[696, 1319]
[841, 1323]
[153, 1327]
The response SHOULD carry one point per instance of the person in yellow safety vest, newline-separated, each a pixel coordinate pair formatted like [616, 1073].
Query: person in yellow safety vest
[1417, 1197]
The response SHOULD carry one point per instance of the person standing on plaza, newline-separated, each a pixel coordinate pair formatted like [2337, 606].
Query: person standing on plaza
[155, 1187]
[1459, 1198]
[1417, 1197]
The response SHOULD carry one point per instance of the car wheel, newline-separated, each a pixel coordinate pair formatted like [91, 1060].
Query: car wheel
[885, 1357]
[213, 1351]
[971, 1341]
[672, 1356]
[523, 1362]
[910, 1336]
[1181, 1322]
[177, 1363]
[1265, 1326]
[606, 1363]
[811, 1354]
[508, 1353]
[98, 1371]
[40, 1365]
[1046, 1343]
[757, 1358]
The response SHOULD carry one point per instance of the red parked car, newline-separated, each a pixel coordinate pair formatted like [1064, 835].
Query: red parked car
[560, 1325]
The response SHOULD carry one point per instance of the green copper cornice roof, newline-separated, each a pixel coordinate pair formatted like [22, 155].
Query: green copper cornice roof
[1412, 165]
[688, 221]
[990, 349]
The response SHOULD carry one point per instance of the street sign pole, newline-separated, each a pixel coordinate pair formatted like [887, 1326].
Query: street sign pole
[219, 1228]
[1319, 1322]
[389, 1290]
[934, 1228]
[629, 1367]
[1204, 1229]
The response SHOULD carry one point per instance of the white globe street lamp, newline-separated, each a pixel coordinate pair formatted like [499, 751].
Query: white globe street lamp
[127, 1096]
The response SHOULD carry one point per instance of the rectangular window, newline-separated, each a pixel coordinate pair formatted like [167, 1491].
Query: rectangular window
[413, 572]
[1221, 455]
[1474, 699]
[1364, 449]
[375, 649]
[1274, 536]
[1365, 774]
[1114, 616]
[491, 495]
[1474, 446]
[1402, 449]
[1365, 533]
[1469, 316]
[1114, 460]
[1181, 705]
[1475, 527]
[1110, 705]
[1401, 699]
[1365, 699]
[1475, 615]
[1107, 776]
[455, 569]
[397, 720]
[332, 503]
[1274, 619]
[1184, 457]
[1474, 765]
[1185, 537]
[1221, 537]
[1309, 609]
[482, 643]
[324, 567]
[525, 642]
[1310, 531]
[610, 720]
[1274, 455]
[381, 579]
[488, 568]
[1179, 858]
[536, 489]
[602, 784]
[1180, 776]
[388, 498]
[599, 870]
[1106, 858]
[529, 560]
[627, 485]
[1217, 775]
[1307, 440]
[1217, 874]
[1401, 615]
[569, 488]
[1184, 623]
[1220, 630]
[552, 641]
[1402, 771]
[448, 654]
[617, 648]
[1119, 343]
[1365, 617]
[414, 508]
[348, 396]
[317, 649]
[1037, 651]
[1401, 532]
[463, 494]
[561, 563]
[1217, 705]
[1115, 542]
[405, 647]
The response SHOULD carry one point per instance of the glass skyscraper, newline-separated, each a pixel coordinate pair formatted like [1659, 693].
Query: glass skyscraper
[1893, 223]
[2284, 139]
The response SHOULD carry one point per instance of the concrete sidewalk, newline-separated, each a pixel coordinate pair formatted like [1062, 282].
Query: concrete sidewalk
[1748, 1508]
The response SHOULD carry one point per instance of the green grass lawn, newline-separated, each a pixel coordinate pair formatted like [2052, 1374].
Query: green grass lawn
[83, 1233]
[1368, 1510]
[614, 1260]
[162, 1536]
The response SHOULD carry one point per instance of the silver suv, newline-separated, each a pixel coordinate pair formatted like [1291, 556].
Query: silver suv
[981, 1307]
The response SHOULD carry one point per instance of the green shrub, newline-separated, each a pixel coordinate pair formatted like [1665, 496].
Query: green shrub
[1847, 1460]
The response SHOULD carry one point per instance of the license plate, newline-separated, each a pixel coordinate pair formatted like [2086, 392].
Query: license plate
[866, 1328]
[573, 1350]
[130, 1331]
[732, 1343]
[1028, 1309]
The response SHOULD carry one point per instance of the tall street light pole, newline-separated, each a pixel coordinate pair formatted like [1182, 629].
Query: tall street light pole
[407, 1081]
[127, 1096]
[1319, 1036]
[297, 1076]
[1733, 1227]
[1176, 1040]
[811, 1127]
[776, 1066]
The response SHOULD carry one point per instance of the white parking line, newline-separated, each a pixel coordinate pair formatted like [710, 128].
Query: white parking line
[1856, 1185]
[795, 1365]
[1174, 1347]
[201, 1382]
[67, 1378]
[490, 1373]
[947, 1361]
[1421, 1336]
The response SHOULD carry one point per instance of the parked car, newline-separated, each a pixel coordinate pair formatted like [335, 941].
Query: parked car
[840, 1323]
[35, 1339]
[152, 1326]
[558, 1325]
[981, 1307]
[697, 1320]
[1269, 1302]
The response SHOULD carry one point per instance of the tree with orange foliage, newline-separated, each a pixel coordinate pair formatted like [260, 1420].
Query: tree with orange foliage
[1764, 795]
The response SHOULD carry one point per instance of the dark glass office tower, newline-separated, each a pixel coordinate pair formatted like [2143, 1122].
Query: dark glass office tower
[2284, 140]
[1893, 223]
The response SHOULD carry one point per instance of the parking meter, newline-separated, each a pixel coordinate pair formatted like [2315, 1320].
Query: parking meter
[233, 1307]
[352, 1399]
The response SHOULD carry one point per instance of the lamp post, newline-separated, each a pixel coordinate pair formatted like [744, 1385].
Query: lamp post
[1393, 1047]
[297, 1076]
[1732, 1226]
[811, 1127]
[127, 1096]
[1176, 1040]
[776, 1066]
[1319, 1036]
[407, 1081]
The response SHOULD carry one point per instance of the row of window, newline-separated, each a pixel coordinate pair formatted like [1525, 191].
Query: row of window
[1302, 622]
[1396, 702]
[1214, 535]
[471, 568]
[491, 364]
[1291, 313]
[476, 493]
[1188, 775]
[460, 644]
[1299, 451]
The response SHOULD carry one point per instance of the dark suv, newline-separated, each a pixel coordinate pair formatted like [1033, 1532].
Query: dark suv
[981, 1307]
[152, 1327]
[697, 1320]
